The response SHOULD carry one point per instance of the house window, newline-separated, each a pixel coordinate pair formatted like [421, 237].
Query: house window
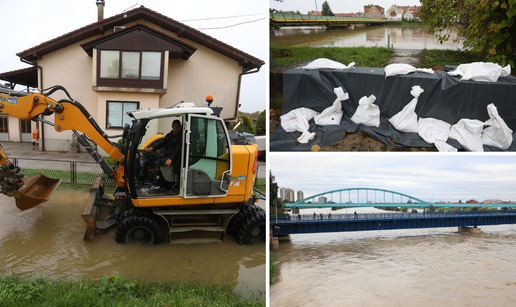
[141, 69]
[109, 63]
[131, 65]
[116, 116]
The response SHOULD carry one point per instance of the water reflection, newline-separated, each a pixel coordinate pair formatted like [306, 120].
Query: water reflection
[401, 36]
[47, 241]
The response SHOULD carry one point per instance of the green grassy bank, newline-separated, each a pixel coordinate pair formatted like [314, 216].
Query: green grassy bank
[362, 56]
[369, 56]
[115, 291]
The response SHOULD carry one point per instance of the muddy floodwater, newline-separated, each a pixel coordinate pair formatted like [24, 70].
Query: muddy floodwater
[401, 36]
[419, 267]
[48, 241]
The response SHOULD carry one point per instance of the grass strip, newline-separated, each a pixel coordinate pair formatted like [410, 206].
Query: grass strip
[115, 291]
[439, 58]
[362, 56]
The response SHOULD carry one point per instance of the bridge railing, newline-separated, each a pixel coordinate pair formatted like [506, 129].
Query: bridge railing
[285, 17]
[386, 216]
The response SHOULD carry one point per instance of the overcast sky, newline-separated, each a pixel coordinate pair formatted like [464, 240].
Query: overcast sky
[28, 23]
[337, 6]
[435, 176]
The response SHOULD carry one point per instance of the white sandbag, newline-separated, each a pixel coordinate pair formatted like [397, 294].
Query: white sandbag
[431, 129]
[306, 137]
[297, 120]
[403, 69]
[444, 147]
[498, 134]
[367, 113]
[468, 132]
[333, 114]
[406, 119]
[327, 63]
[480, 71]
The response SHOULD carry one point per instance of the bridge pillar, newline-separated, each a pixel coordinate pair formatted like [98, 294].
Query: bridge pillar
[275, 243]
[470, 229]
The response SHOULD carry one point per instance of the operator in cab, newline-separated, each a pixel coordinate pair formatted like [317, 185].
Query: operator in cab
[172, 156]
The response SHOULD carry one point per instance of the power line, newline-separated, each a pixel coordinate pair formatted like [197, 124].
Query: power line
[225, 17]
[237, 24]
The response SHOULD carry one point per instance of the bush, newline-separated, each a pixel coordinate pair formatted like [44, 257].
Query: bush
[260, 124]
[413, 211]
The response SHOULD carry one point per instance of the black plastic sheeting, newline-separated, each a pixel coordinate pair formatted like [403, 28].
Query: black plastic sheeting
[445, 97]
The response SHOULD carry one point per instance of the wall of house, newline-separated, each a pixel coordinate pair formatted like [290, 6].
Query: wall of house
[205, 73]
[374, 12]
[71, 68]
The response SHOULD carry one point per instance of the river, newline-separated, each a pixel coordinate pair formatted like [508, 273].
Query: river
[420, 267]
[48, 241]
[401, 36]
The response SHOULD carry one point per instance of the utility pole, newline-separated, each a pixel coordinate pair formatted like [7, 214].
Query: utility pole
[316, 11]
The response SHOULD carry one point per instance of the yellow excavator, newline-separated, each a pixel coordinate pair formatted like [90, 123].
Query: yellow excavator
[204, 194]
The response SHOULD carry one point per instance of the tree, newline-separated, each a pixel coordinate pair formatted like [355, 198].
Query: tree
[260, 124]
[273, 187]
[413, 211]
[431, 208]
[246, 125]
[326, 10]
[488, 26]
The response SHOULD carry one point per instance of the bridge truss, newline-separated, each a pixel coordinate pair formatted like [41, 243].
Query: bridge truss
[372, 197]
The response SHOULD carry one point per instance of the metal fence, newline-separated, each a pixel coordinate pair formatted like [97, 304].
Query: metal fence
[81, 173]
[388, 216]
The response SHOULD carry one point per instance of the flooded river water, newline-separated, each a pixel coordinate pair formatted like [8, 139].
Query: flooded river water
[48, 241]
[401, 36]
[420, 267]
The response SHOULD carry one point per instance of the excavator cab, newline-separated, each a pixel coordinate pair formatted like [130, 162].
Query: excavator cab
[203, 167]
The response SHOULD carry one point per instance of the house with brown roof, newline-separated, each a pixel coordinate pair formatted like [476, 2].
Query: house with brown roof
[374, 11]
[139, 59]
[315, 13]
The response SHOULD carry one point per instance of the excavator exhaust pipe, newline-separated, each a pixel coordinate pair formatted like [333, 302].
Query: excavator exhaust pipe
[35, 190]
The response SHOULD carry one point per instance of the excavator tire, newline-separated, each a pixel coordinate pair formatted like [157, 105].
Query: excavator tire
[236, 222]
[138, 228]
[253, 228]
[136, 212]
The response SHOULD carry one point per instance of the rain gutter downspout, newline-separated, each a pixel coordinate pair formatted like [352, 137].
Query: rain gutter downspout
[238, 88]
[40, 69]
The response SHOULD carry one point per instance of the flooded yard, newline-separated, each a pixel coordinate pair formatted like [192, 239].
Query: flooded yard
[48, 241]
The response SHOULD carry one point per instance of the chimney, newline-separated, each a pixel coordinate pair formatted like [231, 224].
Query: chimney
[100, 6]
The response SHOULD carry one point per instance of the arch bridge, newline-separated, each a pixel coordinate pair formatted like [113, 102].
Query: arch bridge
[373, 197]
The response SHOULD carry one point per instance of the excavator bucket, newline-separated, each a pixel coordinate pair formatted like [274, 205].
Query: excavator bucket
[35, 190]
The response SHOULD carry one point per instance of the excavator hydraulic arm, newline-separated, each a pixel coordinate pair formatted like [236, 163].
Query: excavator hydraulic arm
[69, 115]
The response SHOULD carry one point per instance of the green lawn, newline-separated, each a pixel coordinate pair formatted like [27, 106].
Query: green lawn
[115, 291]
[362, 56]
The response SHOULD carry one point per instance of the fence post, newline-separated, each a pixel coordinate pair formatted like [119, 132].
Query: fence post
[72, 173]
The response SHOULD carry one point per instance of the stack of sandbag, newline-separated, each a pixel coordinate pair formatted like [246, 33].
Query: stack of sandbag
[324, 63]
[435, 131]
[406, 119]
[480, 71]
[367, 113]
[403, 69]
[333, 114]
[498, 134]
[468, 132]
[297, 120]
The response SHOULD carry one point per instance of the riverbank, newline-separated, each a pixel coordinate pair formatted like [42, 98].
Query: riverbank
[286, 58]
[115, 291]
